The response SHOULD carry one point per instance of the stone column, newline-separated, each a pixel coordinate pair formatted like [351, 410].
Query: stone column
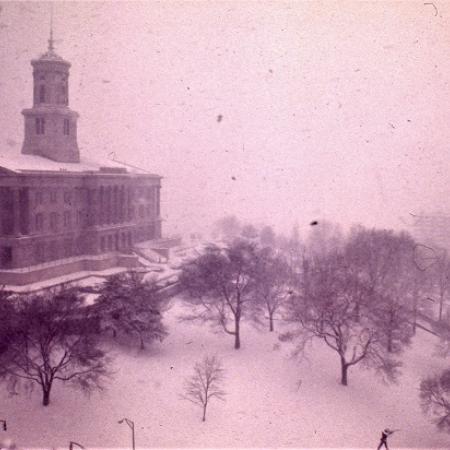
[158, 200]
[94, 207]
[122, 204]
[24, 205]
[101, 205]
[16, 211]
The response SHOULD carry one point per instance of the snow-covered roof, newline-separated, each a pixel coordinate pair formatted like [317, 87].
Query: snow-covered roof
[20, 163]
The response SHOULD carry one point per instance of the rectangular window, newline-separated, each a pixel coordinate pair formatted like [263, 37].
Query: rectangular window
[110, 242]
[42, 93]
[158, 210]
[68, 247]
[39, 222]
[39, 197]
[53, 196]
[62, 96]
[54, 221]
[68, 197]
[67, 219]
[53, 250]
[40, 125]
[66, 127]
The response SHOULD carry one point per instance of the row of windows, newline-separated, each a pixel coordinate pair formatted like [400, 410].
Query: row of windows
[52, 195]
[61, 94]
[117, 241]
[81, 194]
[65, 248]
[54, 220]
[54, 76]
[40, 126]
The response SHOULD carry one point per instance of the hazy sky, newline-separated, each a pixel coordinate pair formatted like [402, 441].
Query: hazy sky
[328, 110]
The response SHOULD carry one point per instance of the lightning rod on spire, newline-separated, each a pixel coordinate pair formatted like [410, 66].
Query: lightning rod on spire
[50, 41]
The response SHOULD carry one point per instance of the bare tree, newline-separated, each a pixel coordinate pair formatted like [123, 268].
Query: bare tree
[420, 288]
[53, 339]
[378, 256]
[435, 398]
[7, 318]
[205, 383]
[385, 262]
[441, 277]
[271, 284]
[328, 312]
[219, 284]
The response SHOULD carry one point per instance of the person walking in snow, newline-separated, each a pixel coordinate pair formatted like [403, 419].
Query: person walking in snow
[384, 435]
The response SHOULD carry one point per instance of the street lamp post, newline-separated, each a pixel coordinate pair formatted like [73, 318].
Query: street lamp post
[72, 443]
[130, 423]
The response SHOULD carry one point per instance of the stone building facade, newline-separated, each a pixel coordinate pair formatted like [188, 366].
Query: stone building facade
[60, 212]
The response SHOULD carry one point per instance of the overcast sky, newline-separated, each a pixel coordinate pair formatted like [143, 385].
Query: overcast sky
[337, 111]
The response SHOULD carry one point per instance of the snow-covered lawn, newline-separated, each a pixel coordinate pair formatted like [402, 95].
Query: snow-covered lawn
[266, 406]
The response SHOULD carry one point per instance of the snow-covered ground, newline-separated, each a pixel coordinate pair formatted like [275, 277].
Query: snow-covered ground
[266, 406]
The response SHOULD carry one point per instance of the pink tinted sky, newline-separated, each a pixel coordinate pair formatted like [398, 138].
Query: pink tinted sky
[329, 110]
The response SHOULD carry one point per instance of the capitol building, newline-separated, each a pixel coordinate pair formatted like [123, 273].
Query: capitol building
[61, 213]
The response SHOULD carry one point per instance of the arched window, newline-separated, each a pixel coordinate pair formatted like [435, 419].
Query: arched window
[42, 93]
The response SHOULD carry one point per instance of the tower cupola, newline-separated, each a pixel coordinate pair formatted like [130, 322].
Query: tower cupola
[50, 125]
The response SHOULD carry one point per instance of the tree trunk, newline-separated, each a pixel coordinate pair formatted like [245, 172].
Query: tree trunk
[46, 396]
[389, 342]
[237, 337]
[390, 331]
[204, 412]
[357, 312]
[414, 324]
[270, 321]
[142, 342]
[344, 369]
[441, 304]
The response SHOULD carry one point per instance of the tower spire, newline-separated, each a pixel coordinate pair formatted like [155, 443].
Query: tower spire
[51, 41]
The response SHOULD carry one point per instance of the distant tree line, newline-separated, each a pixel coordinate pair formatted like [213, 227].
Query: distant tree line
[362, 294]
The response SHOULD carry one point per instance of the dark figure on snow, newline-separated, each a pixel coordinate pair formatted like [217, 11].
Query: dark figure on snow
[384, 435]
